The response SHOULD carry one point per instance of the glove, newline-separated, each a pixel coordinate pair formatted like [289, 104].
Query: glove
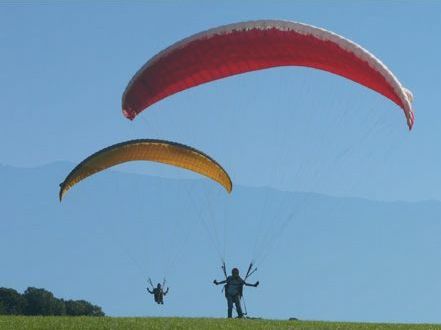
[215, 282]
[257, 283]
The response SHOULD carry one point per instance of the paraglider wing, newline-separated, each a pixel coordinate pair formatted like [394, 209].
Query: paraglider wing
[160, 151]
[238, 48]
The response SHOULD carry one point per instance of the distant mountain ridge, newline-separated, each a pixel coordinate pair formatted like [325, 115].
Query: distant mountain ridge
[336, 259]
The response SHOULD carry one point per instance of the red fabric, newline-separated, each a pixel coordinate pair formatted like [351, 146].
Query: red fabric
[220, 56]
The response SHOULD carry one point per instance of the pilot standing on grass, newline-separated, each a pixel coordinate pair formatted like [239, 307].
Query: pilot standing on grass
[234, 290]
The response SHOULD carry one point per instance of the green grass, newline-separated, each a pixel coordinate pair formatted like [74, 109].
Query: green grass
[52, 322]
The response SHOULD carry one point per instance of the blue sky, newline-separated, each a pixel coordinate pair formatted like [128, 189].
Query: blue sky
[64, 67]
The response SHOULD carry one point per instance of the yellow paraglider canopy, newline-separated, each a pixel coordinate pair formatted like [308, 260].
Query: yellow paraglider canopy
[160, 151]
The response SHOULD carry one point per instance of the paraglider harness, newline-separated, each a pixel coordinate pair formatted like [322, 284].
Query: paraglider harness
[250, 272]
[157, 294]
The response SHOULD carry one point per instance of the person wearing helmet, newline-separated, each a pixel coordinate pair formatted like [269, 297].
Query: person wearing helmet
[158, 294]
[233, 291]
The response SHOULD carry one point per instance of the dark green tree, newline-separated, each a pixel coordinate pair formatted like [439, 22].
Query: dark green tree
[11, 302]
[42, 302]
[82, 307]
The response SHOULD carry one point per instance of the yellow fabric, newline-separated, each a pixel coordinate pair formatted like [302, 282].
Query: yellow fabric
[159, 151]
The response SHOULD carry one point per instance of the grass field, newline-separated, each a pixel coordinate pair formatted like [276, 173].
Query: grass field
[23, 322]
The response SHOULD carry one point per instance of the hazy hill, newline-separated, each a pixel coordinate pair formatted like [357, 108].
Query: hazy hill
[337, 259]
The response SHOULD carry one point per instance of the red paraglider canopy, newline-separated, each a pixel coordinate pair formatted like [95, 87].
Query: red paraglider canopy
[238, 48]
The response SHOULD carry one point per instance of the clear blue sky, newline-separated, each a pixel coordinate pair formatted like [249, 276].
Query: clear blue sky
[64, 67]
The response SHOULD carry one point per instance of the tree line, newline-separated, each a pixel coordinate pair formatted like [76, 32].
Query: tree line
[42, 302]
